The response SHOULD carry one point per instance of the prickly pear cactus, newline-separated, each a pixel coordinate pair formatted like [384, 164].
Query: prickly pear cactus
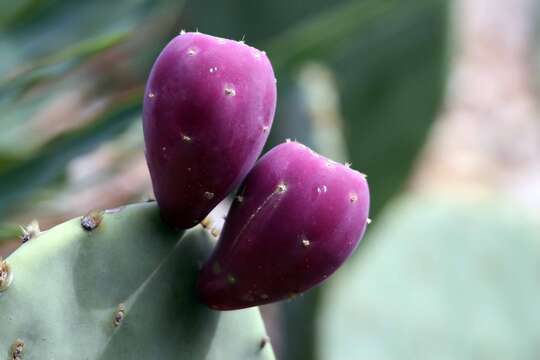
[118, 285]
[440, 278]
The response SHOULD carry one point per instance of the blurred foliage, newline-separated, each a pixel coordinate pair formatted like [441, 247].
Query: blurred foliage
[41, 167]
[73, 74]
[56, 48]
[450, 278]
[9, 232]
[73, 81]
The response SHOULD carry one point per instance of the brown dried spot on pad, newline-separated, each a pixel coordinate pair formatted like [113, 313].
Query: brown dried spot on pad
[206, 223]
[119, 315]
[6, 275]
[17, 350]
[92, 220]
[30, 231]
[215, 232]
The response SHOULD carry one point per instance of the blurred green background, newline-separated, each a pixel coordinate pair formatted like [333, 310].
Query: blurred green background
[433, 99]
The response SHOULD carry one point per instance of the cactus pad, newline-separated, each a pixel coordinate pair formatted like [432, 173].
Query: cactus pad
[123, 289]
[441, 278]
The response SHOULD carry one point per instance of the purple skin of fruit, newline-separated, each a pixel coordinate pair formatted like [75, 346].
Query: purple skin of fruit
[208, 108]
[298, 216]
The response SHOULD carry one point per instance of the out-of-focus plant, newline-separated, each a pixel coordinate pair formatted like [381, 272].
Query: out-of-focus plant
[63, 100]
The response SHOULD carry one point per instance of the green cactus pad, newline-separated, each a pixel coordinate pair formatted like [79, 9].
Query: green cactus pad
[441, 278]
[123, 290]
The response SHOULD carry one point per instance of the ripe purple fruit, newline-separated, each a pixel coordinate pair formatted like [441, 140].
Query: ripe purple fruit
[297, 218]
[208, 108]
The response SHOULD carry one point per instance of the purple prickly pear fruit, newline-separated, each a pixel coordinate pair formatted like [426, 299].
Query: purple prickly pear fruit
[298, 216]
[208, 108]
